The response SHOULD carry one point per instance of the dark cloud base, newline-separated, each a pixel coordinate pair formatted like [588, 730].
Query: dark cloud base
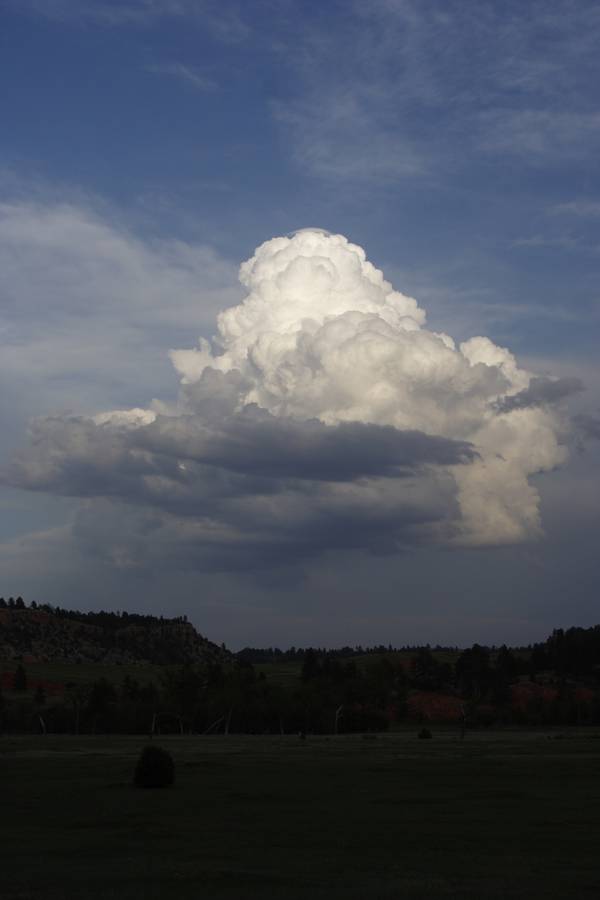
[243, 490]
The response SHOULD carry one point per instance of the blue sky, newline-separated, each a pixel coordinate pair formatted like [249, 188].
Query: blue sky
[148, 147]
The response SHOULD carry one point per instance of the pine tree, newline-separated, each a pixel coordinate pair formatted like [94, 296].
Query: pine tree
[40, 695]
[20, 679]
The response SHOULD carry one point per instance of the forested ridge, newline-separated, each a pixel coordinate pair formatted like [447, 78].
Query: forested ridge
[42, 633]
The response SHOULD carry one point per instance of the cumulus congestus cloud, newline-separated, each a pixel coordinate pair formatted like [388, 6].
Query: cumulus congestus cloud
[323, 415]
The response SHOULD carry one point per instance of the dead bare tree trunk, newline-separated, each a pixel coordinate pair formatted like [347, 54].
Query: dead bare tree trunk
[338, 715]
[214, 725]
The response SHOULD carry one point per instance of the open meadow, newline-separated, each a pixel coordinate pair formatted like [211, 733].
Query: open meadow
[500, 814]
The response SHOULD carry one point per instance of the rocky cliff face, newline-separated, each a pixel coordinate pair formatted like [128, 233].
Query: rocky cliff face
[42, 636]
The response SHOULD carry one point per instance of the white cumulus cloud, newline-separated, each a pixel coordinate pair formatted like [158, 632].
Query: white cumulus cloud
[322, 334]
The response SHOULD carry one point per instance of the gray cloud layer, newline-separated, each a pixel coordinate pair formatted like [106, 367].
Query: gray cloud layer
[588, 426]
[540, 392]
[241, 491]
[76, 456]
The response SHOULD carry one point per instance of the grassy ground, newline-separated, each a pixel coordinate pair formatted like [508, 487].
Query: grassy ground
[284, 672]
[514, 815]
[86, 673]
[287, 672]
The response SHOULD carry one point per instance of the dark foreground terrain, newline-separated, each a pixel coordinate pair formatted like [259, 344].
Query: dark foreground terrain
[497, 815]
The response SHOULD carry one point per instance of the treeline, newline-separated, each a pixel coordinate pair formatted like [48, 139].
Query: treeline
[574, 652]
[332, 694]
[102, 618]
[262, 655]
[11, 603]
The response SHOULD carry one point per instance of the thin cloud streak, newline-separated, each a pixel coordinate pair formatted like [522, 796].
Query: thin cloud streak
[580, 208]
[479, 78]
[188, 74]
[80, 290]
[225, 23]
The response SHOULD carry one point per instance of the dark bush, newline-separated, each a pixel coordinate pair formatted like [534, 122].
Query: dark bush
[425, 733]
[155, 768]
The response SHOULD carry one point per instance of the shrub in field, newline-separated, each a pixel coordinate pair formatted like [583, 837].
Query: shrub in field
[154, 768]
[425, 733]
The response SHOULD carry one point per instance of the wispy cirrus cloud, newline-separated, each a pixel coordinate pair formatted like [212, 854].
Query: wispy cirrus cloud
[375, 93]
[583, 209]
[389, 91]
[189, 74]
[68, 271]
[539, 134]
[556, 241]
[224, 22]
[336, 140]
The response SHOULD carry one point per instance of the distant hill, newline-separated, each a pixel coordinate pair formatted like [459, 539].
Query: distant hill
[46, 634]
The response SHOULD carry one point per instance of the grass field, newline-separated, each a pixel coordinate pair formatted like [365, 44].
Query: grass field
[283, 672]
[498, 815]
[86, 673]
[287, 672]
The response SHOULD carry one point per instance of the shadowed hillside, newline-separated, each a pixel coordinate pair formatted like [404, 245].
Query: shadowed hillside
[46, 634]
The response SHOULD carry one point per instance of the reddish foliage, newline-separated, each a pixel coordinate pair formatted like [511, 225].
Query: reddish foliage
[584, 695]
[525, 692]
[51, 688]
[31, 615]
[434, 707]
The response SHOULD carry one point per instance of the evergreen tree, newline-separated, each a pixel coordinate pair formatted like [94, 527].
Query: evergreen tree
[310, 666]
[40, 695]
[102, 695]
[473, 673]
[20, 679]
[506, 664]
